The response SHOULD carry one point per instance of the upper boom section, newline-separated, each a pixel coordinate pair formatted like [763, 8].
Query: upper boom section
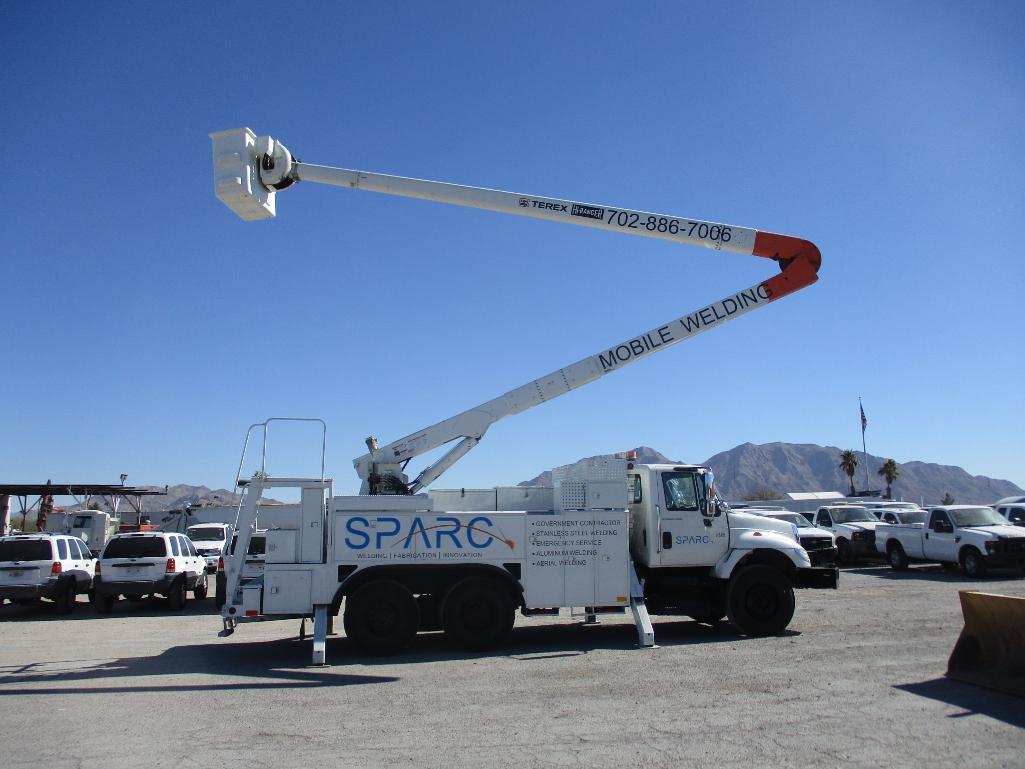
[250, 170]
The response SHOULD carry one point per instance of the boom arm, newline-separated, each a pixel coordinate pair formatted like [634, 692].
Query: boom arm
[249, 170]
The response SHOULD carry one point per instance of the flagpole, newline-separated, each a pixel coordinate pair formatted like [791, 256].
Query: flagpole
[864, 451]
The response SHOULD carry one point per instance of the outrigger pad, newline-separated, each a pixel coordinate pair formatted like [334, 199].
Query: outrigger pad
[991, 649]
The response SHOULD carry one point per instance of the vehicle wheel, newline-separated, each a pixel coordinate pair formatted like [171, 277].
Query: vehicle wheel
[972, 563]
[104, 603]
[844, 554]
[381, 617]
[760, 601]
[199, 591]
[65, 601]
[176, 598]
[478, 613]
[898, 558]
[220, 590]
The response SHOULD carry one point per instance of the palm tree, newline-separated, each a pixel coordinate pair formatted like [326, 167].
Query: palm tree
[849, 465]
[889, 472]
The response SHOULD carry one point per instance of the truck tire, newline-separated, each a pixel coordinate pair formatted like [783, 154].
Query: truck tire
[973, 563]
[844, 554]
[199, 591]
[104, 603]
[478, 613]
[760, 601]
[897, 557]
[176, 596]
[381, 617]
[220, 590]
[65, 600]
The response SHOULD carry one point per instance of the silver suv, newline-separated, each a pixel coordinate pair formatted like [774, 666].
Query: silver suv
[149, 563]
[53, 566]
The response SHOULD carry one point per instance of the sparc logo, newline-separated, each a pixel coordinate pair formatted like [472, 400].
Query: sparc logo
[390, 532]
[524, 203]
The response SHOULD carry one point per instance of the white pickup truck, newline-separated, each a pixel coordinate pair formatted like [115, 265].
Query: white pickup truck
[975, 537]
[854, 528]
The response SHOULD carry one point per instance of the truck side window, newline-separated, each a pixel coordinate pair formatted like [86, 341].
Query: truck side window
[940, 521]
[825, 519]
[681, 493]
[635, 488]
[1016, 515]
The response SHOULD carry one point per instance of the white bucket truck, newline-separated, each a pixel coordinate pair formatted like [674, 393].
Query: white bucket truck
[616, 534]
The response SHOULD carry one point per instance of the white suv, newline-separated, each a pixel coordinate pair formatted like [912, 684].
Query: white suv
[53, 566]
[148, 563]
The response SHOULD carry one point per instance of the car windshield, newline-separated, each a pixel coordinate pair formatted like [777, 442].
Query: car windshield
[795, 518]
[976, 516]
[25, 550]
[851, 515]
[206, 534]
[909, 517]
[135, 547]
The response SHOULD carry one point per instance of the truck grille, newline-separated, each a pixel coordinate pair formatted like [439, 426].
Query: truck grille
[870, 538]
[816, 543]
[1016, 545]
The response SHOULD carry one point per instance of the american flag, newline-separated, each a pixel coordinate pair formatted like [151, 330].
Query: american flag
[864, 419]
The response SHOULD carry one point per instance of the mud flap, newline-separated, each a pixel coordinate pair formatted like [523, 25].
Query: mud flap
[991, 649]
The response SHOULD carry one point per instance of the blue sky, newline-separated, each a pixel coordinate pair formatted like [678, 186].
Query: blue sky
[145, 326]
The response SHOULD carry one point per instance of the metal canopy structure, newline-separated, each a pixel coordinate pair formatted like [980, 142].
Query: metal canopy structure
[111, 493]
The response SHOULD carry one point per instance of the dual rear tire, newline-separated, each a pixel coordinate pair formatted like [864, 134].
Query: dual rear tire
[381, 617]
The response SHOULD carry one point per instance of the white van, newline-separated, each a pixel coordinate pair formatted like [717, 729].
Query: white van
[210, 540]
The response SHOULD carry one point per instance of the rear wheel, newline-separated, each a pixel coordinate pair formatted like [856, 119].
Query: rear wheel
[199, 591]
[478, 613]
[897, 557]
[381, 617]
[64, 603]
[972, 563]
[104, 603]
[760, 601]
[220, 589]
[176, 596]
[844, 554]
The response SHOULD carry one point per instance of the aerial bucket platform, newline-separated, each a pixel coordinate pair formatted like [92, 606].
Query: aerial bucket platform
[991, 649]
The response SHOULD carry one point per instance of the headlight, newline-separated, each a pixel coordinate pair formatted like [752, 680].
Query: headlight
[858, 535]
[991, 545]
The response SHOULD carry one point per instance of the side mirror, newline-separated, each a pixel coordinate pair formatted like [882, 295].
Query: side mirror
[710, 508]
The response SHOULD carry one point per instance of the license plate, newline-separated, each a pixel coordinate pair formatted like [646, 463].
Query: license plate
[16, 573]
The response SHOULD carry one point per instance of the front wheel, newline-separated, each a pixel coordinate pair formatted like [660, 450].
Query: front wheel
[897, 557]
[381, 617]
[760, 601]
[972, 563]
[478, 613]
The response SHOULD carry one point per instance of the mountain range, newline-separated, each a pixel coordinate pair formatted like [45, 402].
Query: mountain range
[771, 470]
[766, 471]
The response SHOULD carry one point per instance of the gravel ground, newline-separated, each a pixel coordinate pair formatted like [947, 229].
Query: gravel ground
[856, 682]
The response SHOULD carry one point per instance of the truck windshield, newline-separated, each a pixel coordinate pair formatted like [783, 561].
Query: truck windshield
[852, 515]
[976, 516]
[25, 550]
[206, 535]
[681, 491]
[135, 547]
